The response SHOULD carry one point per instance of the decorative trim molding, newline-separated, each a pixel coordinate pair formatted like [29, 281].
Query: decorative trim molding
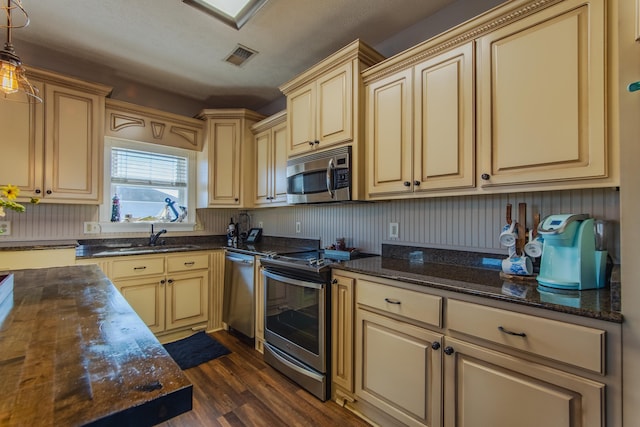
[189, 135]
[428, 49]
[118, 122]
[157, 129]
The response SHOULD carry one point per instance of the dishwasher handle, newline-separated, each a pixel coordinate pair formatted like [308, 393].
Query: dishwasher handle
[243, 260]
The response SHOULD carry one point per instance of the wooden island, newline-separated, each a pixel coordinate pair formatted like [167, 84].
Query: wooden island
[73, 352]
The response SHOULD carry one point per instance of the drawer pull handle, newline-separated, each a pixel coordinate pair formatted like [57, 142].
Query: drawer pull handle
[392, 301]
[140, 268]
[517, 334]
[189, 263]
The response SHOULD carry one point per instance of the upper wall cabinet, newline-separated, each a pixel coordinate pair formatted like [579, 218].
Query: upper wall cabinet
[270, 180]
[55, 148]
[137, 123]
[513, 100]
[225, 174]
[420, 126]
[323, 102]
[542, 96]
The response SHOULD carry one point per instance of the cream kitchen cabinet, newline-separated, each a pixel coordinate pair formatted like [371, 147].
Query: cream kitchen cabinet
[342, 333]
[168, 292]
[225, 165]
[321, 112]
[542, 85]
[56, 147]
[270, 186]
[398, 363]
[420, 126]
[487, 387]
[422, 356]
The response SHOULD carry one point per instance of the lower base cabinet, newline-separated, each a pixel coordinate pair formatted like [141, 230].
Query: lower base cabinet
[489, 388]
[432, 359]
[400, 369]
[168, 302]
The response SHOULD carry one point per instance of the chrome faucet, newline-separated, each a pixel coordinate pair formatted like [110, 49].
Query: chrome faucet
[153, 239]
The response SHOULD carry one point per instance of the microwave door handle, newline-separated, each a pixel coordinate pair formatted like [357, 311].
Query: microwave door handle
[330, 184]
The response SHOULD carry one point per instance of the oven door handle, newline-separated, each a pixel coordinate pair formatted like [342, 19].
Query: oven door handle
[291, 281]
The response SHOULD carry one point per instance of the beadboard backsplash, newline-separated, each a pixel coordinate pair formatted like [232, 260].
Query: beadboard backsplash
[468, 223]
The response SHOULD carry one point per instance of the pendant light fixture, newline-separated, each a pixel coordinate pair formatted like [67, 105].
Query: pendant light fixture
[14, 83]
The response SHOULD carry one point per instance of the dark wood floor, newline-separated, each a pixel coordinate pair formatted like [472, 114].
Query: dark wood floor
[240, 389]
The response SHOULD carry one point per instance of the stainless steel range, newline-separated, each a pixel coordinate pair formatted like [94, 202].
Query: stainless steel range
[297, 319]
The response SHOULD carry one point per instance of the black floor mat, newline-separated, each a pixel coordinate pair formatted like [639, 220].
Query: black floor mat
[194, 350]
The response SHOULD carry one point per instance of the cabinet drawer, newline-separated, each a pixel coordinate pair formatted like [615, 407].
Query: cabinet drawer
[565, 342]
[134, 267]
[187, 262]
[410, 304]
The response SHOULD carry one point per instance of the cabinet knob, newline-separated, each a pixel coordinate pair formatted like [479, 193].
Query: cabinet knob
[406, 184]
[162, 282]
[448, 350]
[316, 142]
[334, 281]
[170, 281]
[49, 191]
[311, 143]
[416, 183]
[236, 199]
[38, 191]
[435, 345]
[485, 177]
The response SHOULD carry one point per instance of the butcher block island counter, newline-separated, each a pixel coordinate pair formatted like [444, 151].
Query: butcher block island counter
[73, 352]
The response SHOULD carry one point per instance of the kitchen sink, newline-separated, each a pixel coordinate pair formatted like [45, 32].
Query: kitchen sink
[141, 250]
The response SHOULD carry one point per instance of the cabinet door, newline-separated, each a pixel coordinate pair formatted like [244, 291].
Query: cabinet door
[542, 96]
[389, 135]
[22, 143]
[224, 161]
[335, 106]
[263, 168]
[73, 144]
[279, 171]
[488, 388]
[147, 298]
[187, 300]
[444, 121]
[398, 370]
[301, 116]
[342, 324]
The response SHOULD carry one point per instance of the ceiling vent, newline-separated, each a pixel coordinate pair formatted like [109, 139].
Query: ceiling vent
[240, 55]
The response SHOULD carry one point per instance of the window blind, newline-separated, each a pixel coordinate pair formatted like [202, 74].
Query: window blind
[145, 168]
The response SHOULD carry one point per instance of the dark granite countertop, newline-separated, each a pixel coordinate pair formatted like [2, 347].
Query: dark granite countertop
[38, 244]
[98, 248]
[439, 272]
[73, 352]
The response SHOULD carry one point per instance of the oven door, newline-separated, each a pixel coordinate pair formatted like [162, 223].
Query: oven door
[296, 318]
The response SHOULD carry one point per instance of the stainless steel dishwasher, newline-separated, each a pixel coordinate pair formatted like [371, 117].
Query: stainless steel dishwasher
[238, 311]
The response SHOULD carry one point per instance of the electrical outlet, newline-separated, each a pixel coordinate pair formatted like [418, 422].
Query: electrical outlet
[260, 224]
[91, 228]
[393, 230]
[298, 227]
[5, 228]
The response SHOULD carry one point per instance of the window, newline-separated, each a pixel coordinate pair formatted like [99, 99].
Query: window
[152, 183]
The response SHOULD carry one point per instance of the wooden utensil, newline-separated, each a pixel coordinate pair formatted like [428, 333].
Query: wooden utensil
[509, 220]
[536, 223]
[521, 228]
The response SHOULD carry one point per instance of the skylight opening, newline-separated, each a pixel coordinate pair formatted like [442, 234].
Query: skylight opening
[234, 13]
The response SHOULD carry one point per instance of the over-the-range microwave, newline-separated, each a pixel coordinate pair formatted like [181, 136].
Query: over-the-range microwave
[320, 177]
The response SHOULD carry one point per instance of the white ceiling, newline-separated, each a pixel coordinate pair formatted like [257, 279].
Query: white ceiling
[169, 44]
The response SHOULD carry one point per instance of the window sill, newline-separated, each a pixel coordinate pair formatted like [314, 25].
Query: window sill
[135, 227]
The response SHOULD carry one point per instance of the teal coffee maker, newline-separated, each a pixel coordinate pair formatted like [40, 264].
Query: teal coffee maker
[569, 256]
